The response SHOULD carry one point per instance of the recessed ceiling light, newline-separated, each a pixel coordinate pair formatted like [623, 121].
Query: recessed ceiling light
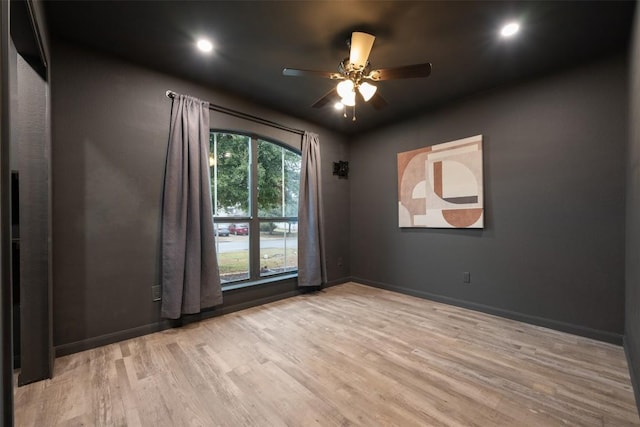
[338, 105]
[205, 45]
[510, 29]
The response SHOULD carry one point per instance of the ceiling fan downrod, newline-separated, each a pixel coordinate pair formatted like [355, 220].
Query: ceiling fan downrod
[353, 112]
[356, 76]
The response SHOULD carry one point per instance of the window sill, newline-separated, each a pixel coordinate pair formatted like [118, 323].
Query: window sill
[264, 281]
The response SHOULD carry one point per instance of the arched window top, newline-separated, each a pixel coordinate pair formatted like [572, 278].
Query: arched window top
[254, 187]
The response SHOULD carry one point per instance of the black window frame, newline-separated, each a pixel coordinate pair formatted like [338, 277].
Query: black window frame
[253, 220]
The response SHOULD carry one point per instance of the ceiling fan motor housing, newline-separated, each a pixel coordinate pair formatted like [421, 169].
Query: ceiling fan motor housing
[353, 72]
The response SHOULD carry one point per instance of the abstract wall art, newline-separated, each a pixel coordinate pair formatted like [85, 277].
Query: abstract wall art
[441, 186]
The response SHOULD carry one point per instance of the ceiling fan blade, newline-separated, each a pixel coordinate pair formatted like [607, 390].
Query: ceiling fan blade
[326, 98]
[361, 44]
[293, 72]
[378, 102]
[406, 72]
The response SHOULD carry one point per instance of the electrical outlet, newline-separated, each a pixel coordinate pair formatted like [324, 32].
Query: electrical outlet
[466, 277]
[156, 293]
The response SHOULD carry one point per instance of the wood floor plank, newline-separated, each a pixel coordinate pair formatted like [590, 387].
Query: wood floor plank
[350, 355]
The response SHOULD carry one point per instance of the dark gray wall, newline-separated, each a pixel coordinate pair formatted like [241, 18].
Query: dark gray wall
[110, 130]
[6, 302]
[552, 250]
[33, 153]
[29, 153]
[632, 297]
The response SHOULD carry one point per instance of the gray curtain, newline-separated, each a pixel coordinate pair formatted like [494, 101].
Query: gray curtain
[311, 262]
[190, 276]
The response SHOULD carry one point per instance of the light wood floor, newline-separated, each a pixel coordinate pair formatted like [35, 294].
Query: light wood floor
[350, 355]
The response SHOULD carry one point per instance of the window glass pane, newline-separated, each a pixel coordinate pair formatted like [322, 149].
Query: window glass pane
[270, 179]
[269, 208]
[229, 159]
[278, 247]
[232, 246]
[291, 182]
[278, 180]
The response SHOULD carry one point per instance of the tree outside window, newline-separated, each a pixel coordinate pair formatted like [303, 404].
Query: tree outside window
[255, 206]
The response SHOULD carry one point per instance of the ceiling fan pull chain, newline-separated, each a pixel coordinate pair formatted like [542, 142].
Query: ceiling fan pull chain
[355, 74]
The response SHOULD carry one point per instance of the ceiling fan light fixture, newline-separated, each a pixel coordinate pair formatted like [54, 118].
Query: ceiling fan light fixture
[349, 100]
[510, 29]
[361, 44]
[367, 90]
[344, 88]
[355, 75]
[204, 45]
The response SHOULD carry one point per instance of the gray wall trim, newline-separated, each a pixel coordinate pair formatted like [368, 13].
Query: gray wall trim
[102, 340]
[553, 242]
[6, 300]
[605, 336]
[94, 342]
[98, 150]
[337, 282]
[628, 352]
[632, 230]
[34, 198]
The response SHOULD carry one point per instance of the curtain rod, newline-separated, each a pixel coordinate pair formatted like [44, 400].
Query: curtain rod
[171, 94]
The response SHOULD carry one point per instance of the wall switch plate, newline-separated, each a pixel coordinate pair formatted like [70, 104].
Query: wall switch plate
[156, 293]
[466, 277]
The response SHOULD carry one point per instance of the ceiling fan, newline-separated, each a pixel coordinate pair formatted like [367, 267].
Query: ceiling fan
[355, 75]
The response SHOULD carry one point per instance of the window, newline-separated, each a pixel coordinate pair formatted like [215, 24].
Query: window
[254, 188]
